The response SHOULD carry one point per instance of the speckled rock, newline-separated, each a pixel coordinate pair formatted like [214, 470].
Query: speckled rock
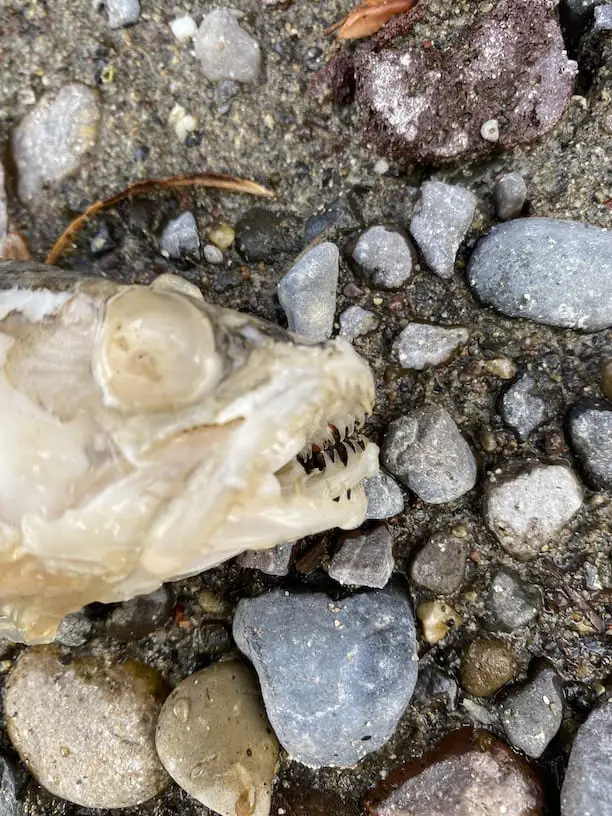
[121, 12]
[307, 292]
[603, 18]
[215, 741]
[526, 510]
[225, 49]
[522, 407]
[509, 194]
[273, 561]
[85, 729]
[441, 219]
[336, 676]
[365, 559]
[427, 452]
[440, 564]
[74, 630]
[11, 781]
[428, 105]
[469, 773]
[140, 616]
[355, 322]
[546, 270]
[590, 431]
[587, 787]
[486, 666]
[180, 237]
[421, 345]
[53, 138]
[532, 715]
[513, 603]
[385, 497]
[385, 256]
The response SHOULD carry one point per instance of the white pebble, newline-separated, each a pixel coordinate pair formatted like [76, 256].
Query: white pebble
[213, 254]
[490, 130]
[381, 167]
[120, 13]
[226, 50]
[182, 123]
[184, 28]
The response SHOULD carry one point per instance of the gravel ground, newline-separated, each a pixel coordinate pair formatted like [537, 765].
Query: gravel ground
[308, 153]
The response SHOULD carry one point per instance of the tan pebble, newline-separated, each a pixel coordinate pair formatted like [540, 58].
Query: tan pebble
[437, 618]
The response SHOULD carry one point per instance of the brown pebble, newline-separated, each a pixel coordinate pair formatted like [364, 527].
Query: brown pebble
[486, 666]
[606, 378]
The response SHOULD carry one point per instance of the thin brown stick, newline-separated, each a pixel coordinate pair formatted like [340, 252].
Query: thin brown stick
[217, 181]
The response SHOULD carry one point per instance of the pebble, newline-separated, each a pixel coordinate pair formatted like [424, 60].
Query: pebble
[441, 220]
[307, 292]
[603, 18]
[336, 676]
[385, 497]
[439, 565]
[552, 271]
[486, 666]
[182, 123]
[85, 729]
[180, 237]
[3, 206]
[513, 602]
[606, 379]
[526, 510]
[502, 367]
[262, 235]
[51, 141]
[298, 800]
[225, 92]
[490, 130]
[121, 13]
[437, 619]
[10, 786]
[509, 195]
[274, 561]
[435, 686]
[225, 49]
[421, 345]
[221, 235]
[469, 773]
[102, 241]
[522, 408]
[590, 430]
[214, 740]
[587, 787]
[384, 256]
[356, 322]
[365, 559]
[184, 28]
[532, 715]
[426, 451]
[339, 216]
[140, 616]
[74, 630]
[212, 254]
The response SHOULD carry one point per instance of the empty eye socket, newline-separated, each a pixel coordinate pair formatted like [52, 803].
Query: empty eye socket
[156, 351]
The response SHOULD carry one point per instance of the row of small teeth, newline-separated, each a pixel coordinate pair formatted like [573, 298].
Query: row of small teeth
[336, 432]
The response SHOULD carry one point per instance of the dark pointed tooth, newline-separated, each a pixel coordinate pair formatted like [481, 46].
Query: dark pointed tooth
[351, 444]
[331, 453]
[348, 494]
[319, 460]
[335, 432]
[337, 499]
[342, 454]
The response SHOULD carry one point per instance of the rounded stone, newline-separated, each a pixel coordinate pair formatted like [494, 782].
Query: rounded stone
[225, 49]
[590, 431]
[86, 729]
[215, 741]
[587, 787]
[440, 564]
[606, 379]
[385, 256]
[437, 619]
[522, 407]
[486, 666]
[532, 715]
[513, 603]
[510, 194]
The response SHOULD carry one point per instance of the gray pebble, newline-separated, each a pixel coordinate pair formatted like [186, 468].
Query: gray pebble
[603, 18]
[435, 686]
[587, 787]
[522, 409]
[140, 616]
[365, 559]
[11, 781]
[510, 194]
[74, 630]
[385, 257]
[336, 676]
[307, 292]
[212, 254]
[225, 49]
[273, 561]
[440, 223]
[532, 715]
[513, 602]
[262, 234]
[51, 141]
[355, 322]
[341, 215]
[427, 452]
[385, 497]
[547, 270]
[440, 564]
[120, 12]
[525, 511]
[421, 345]
[591, 436]
[180, 237]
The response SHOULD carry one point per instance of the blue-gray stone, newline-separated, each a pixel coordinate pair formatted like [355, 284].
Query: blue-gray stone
[336, 676]
[522, 408]
[587, 787]
[385, 497]
[532, 714]
[510, 194]
[591, 436]
[546, 270]
[180, 236]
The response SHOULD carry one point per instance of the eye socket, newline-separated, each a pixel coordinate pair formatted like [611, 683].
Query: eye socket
[156, 352]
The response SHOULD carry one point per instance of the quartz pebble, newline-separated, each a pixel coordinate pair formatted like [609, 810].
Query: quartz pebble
[225, 49]
[212, 254]
[180, 237]
[140, 616]
[526, 510]
[336, 676]
[587, 787]
[469, 773]
[184, 28]
[365, 559]
[522, 408]
[439, 565]
[437, 618]
[121, 13]
[532, 715]
[441, 220]
[214, 740]
[53, 138]
[385, 256]
[274, 561]
[85, 729]
[421, 345]
[486, 666]
[547, 270]
[590, 431]
[356, 322]
[513, 602]
[307, 292]
[510, 194]
[385, 497]
[426, 451]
